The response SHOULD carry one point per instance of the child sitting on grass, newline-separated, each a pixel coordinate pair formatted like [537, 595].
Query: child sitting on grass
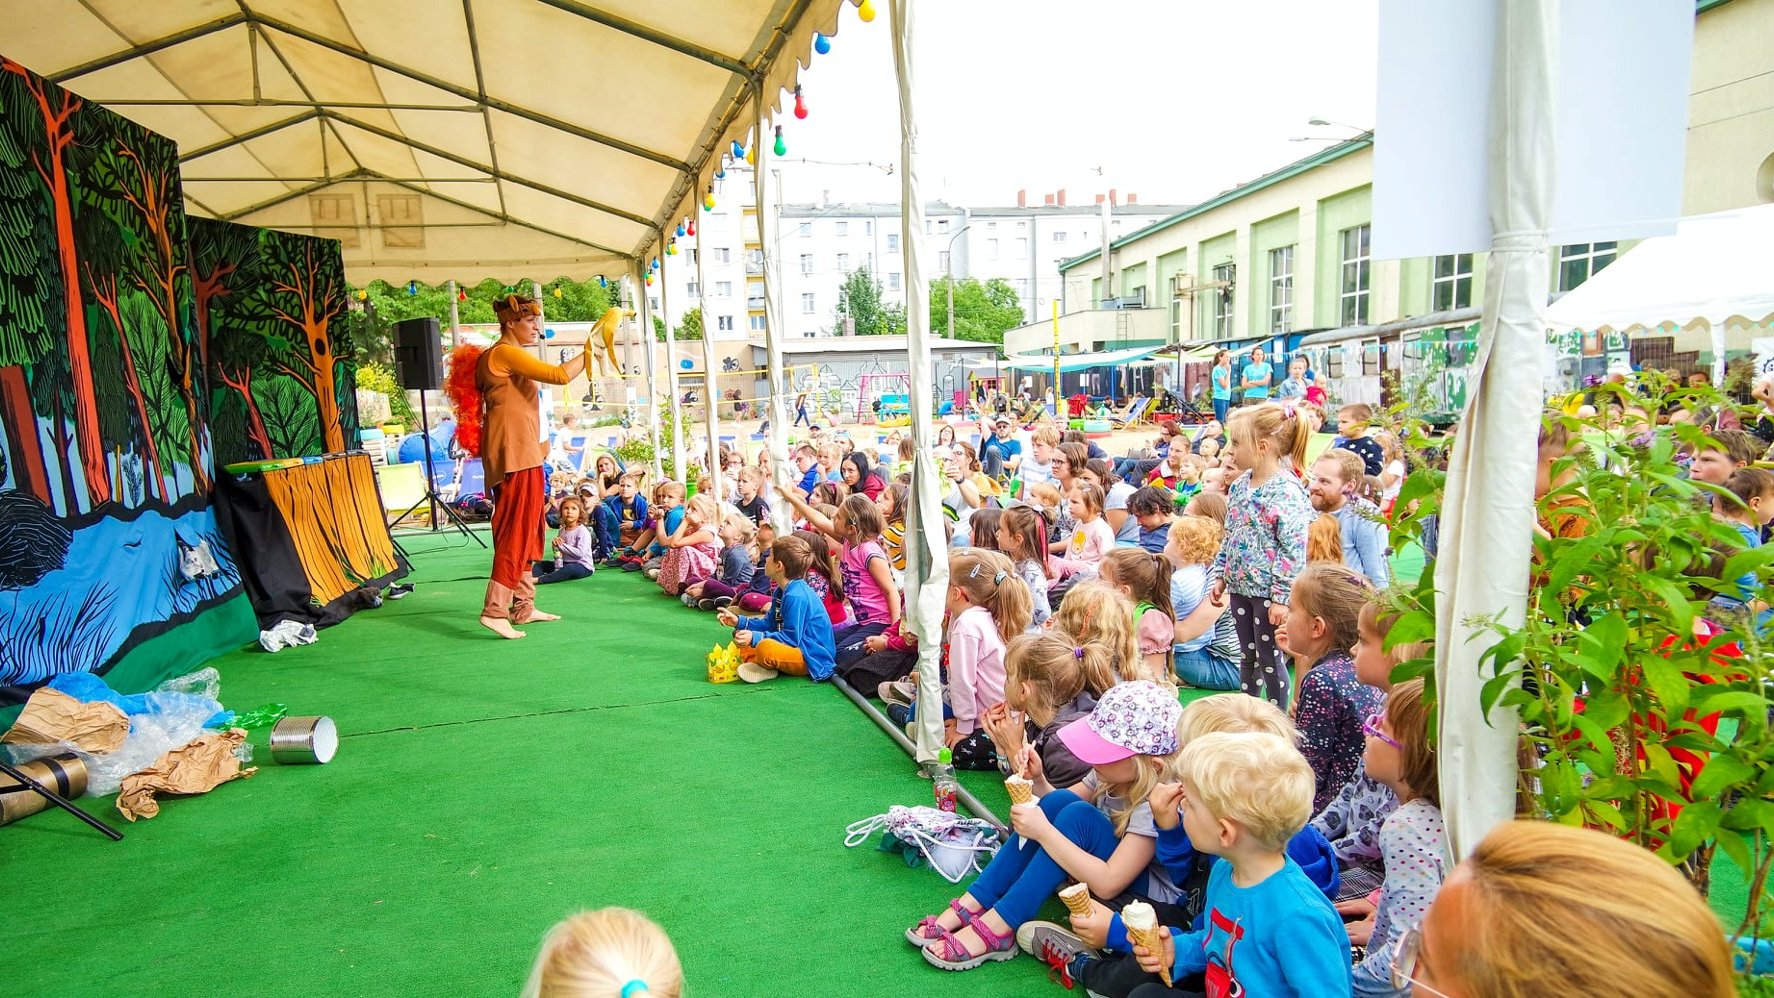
[1095, 611]
[1206, 653]
[1322, 625]
[795, 635]
[1145, 580]
[668, 512]
[1190, 868]
[1267, 928]
[1413, 840]
[749, 499]
[751, 596]
[867, 574]
[627, 518]
[693, 550]
[737, 561]
[1100, 832]
[1022, 536]
[1044, 687]
[1152, 507]
[572, 547]
[987, 605]
[611, 953]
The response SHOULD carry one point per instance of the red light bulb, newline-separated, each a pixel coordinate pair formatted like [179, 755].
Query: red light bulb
[800, 104]
[690, 230]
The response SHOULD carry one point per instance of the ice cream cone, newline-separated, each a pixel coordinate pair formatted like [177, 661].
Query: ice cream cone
[1142, 930]
[1077, 899]
[1021, 790]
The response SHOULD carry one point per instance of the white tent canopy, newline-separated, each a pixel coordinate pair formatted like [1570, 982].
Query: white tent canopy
[486, 138]
[1716, 269]
[1077, 361]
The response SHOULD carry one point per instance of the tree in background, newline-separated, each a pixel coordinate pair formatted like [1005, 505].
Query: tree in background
[690, 327]
[982, 311]
[859, 301]
[562, 301]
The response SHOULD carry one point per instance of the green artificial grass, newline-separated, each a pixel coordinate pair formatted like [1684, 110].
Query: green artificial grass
[483, 790]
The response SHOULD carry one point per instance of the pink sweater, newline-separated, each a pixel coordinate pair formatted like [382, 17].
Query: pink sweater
[1090, 544]
[976, 667]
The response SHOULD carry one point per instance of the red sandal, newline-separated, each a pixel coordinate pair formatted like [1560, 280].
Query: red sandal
[927, 931]
[948, 953]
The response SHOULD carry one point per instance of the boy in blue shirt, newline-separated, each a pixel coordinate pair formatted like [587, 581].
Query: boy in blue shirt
[1152, 507]
[1267, 928]
[622, 518]
[649, 548]
[795, 635]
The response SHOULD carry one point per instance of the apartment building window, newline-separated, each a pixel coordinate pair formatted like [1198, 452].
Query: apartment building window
[1022, 247]
[1452, 284]
[723, 255]
[893, 282]
[1353, 295]
[1579, 263]
[929, 226]
[1020, 226]
[1176, 308]
[893, 242]
[991, 249]
[942, 261]
[1222, 300]
[807, 305]
[868, 226]
[1059, 237]
[844, 262]
[654, 301]
[1281, 289]
[843, 228]
[757, 323]
[723, 289]
[806, 263]
[690, 257]
[806, 230]
[942, 225]
[724, 323]
[693, 289]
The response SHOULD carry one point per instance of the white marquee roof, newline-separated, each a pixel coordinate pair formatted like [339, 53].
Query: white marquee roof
[436, 138]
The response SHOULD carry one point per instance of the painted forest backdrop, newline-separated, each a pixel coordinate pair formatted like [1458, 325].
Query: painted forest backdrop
[271, 305]
[120, 338]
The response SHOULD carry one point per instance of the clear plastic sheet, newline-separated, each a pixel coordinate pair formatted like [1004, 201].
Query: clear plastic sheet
[173, 715]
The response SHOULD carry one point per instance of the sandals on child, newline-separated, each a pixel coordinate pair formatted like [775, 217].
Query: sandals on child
[948, 953]
[927, 931]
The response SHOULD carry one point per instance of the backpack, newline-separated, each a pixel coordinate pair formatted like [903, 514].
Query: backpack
[957, 847]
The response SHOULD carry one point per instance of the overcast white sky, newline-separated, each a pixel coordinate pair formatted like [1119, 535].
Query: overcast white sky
[1176, 100]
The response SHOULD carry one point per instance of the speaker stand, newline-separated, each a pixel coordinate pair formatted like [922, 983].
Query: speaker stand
[431, 497]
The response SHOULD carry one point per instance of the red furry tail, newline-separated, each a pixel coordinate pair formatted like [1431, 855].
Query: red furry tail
[465, 396]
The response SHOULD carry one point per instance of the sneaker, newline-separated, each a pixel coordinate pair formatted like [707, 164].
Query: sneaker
[1059, 948]
[400, 590]
[752, 672]
[898, 693]
[713, 603]
[631, 566]
[900, 715]
[687, 599]
[651, 573]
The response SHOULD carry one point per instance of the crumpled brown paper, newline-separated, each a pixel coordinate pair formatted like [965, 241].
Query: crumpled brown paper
[51, 716]
[197, 768]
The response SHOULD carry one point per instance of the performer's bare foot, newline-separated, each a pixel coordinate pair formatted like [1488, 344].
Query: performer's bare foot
[536, 615]
[501, 627]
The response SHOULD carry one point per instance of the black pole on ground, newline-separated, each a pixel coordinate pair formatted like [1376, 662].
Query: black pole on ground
[962, 794]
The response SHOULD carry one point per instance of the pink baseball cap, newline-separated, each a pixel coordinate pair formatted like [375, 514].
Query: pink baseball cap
[1137, 718]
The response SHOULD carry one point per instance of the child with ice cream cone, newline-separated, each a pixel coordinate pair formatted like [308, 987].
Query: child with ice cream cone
[1099, 832]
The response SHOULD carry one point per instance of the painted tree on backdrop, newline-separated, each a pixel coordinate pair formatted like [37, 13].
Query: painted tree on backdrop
[303, 289]
[982, 311]
[222, 260]
[30, 321]
[860, 300]
[29, 99]
[142, 171]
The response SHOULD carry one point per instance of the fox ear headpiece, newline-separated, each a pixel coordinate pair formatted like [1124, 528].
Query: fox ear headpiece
[514, 307]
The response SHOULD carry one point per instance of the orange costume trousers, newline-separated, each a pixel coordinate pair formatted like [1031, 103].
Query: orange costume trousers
[517, 544]
[773, 654]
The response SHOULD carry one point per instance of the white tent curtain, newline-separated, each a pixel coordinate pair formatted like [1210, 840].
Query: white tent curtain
[927, 563]
[644, 319]
[679, 447]
[1487, 516]
[710, 397]
[777, 440]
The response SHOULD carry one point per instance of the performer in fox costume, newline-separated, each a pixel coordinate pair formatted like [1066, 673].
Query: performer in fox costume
[499, 412]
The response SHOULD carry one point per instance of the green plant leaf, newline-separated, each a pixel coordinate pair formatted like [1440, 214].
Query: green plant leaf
[1734, 847]
[1721, 773]
[1693, 826]
[1667, 682]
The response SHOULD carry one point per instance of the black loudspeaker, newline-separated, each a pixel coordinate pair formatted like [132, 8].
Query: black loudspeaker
[418, 354]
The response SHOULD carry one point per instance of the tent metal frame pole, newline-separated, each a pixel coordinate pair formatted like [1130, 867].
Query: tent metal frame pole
[711, 396]
[962, 794]
[679, 460]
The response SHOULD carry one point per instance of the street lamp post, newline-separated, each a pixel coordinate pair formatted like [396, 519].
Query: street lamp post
[950, 329]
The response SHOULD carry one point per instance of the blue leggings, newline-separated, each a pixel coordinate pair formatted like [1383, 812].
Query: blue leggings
[1020, 879]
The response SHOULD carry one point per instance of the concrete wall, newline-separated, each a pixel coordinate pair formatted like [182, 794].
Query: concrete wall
[1730, 161]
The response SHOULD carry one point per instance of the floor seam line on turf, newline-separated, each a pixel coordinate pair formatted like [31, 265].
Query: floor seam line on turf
[537, 713]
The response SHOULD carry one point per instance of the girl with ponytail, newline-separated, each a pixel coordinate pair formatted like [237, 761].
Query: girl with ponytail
[987, 605]
[1144, 578]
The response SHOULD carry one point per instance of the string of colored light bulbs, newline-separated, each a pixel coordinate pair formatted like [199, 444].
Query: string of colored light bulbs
[821, 45]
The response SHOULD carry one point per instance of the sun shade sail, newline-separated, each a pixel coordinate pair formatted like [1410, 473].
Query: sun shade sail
[436, 140]
[1078, 361]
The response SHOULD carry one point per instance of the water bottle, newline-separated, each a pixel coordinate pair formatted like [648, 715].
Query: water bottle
[946, 788]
